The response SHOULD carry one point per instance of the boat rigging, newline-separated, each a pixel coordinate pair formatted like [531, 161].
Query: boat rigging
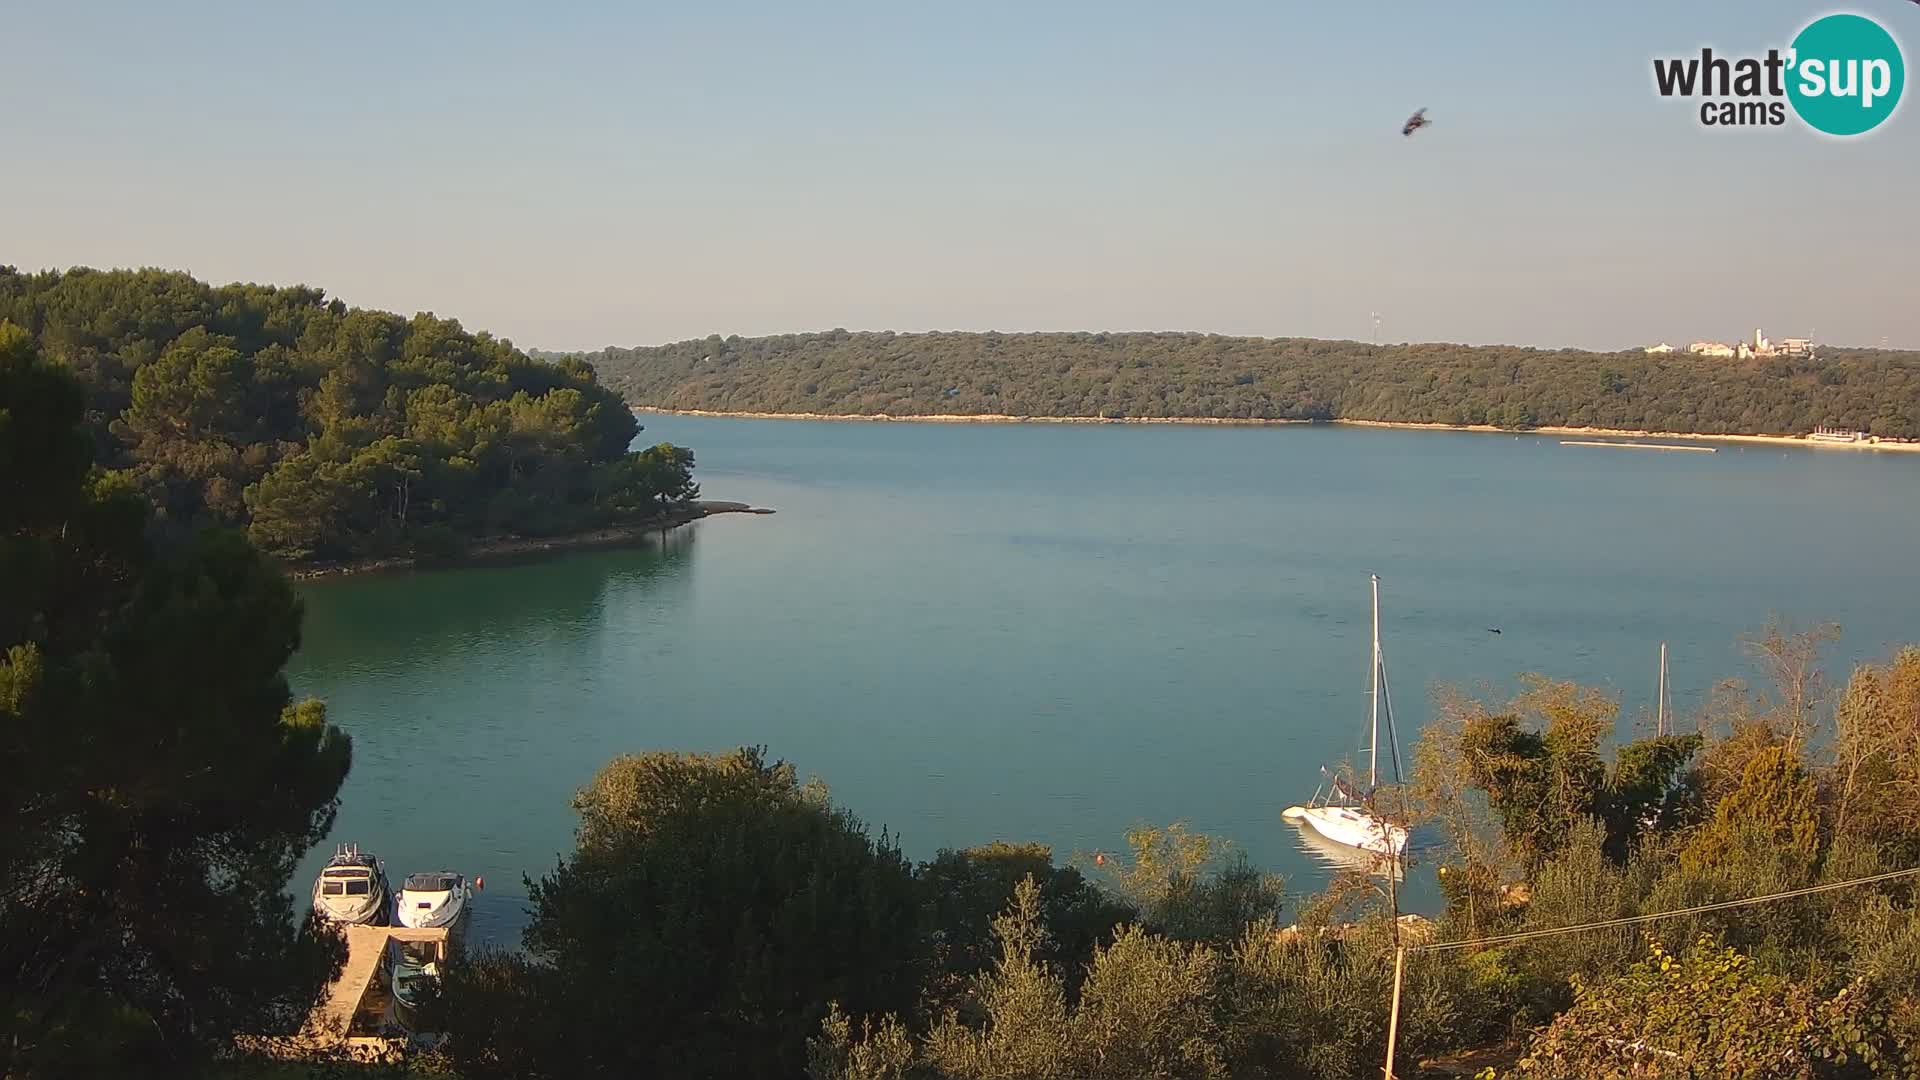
[1339, 811]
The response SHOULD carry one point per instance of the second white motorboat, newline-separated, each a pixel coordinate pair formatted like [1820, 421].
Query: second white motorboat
[434, 898]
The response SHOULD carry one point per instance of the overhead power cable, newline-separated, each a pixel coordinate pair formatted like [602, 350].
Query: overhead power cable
[1526, 935]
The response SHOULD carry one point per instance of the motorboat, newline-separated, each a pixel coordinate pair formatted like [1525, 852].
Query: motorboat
[1342, 812]
[352, 888]
[416, 970]
[434, 898]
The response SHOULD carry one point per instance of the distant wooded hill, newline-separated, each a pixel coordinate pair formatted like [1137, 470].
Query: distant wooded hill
[1205, 375]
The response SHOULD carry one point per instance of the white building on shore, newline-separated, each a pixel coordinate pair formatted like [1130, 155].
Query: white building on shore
[1761, 345]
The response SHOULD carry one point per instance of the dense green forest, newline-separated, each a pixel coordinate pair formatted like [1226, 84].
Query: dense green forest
[1206, 375]
[158, 782]
[332, 432]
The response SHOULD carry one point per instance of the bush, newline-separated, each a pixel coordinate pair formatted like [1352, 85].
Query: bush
[437, 543]
[1186, 886]
[711, 913]
[1763, 838]
[966, 890]
[1709, 1012]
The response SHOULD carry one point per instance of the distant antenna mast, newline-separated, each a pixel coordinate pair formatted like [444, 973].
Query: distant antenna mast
[1660, 717]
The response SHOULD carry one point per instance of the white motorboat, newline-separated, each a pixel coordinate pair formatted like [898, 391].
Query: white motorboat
[352, 888]
[1338, 811]
[433, 898]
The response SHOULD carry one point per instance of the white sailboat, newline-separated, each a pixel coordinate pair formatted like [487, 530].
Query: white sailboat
[1337, 811]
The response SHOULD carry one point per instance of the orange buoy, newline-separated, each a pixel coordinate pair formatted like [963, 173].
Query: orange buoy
[479, 883]
[1099, 859]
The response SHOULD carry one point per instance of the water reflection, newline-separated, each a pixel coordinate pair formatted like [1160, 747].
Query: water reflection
[1340, 858]
[477, 700]
[420, 617]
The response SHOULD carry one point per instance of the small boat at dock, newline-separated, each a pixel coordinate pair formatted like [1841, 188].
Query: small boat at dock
[434, 898]
[417, 968]
[352, 888]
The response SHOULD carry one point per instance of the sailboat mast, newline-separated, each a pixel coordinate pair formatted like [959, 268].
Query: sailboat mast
[1373, 743]
[1660, 718]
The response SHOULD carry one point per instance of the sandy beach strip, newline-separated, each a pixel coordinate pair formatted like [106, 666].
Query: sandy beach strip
[996, 418]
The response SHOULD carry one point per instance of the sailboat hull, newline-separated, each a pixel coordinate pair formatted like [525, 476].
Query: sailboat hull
[1355, 828]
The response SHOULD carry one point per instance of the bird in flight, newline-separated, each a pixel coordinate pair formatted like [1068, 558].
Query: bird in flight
[1419, 120]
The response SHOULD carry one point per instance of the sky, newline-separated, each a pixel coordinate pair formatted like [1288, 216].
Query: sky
[629, 174]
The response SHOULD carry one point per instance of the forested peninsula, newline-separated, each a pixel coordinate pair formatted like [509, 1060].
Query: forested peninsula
[1133, 376]
[331, 433]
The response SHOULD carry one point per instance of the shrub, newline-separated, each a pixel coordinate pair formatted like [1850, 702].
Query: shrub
[712, 913]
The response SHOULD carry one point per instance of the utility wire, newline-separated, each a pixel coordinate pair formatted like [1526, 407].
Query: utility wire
[1524, 935]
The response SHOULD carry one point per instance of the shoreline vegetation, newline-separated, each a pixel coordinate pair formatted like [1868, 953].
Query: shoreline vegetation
[512, 548]
[1210, 378]
[1214, 421]
[330, 434]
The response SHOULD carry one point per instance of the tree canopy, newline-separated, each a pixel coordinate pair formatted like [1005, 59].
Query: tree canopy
[1539, 762]
[157, 781]
[1162, 375]
[712, 911]
[331, 432]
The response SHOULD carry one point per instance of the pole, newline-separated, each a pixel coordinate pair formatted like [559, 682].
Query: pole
[1660, 721]
[1373, 749]
[1393, 884]
[1393, 1018]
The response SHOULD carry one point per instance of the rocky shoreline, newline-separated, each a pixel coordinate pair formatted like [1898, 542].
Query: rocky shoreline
[502, 548]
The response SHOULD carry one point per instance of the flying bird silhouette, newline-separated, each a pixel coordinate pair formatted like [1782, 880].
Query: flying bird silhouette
[1419, 120]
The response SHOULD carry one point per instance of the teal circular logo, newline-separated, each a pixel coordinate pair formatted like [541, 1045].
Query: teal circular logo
[1847, 74]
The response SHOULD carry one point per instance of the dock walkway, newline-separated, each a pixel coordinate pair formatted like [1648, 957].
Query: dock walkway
[357, 1011]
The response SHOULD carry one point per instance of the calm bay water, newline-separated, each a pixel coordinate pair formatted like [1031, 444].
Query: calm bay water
[1054, 632]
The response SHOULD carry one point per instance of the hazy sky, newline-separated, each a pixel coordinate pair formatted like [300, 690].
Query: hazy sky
[579, 175]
